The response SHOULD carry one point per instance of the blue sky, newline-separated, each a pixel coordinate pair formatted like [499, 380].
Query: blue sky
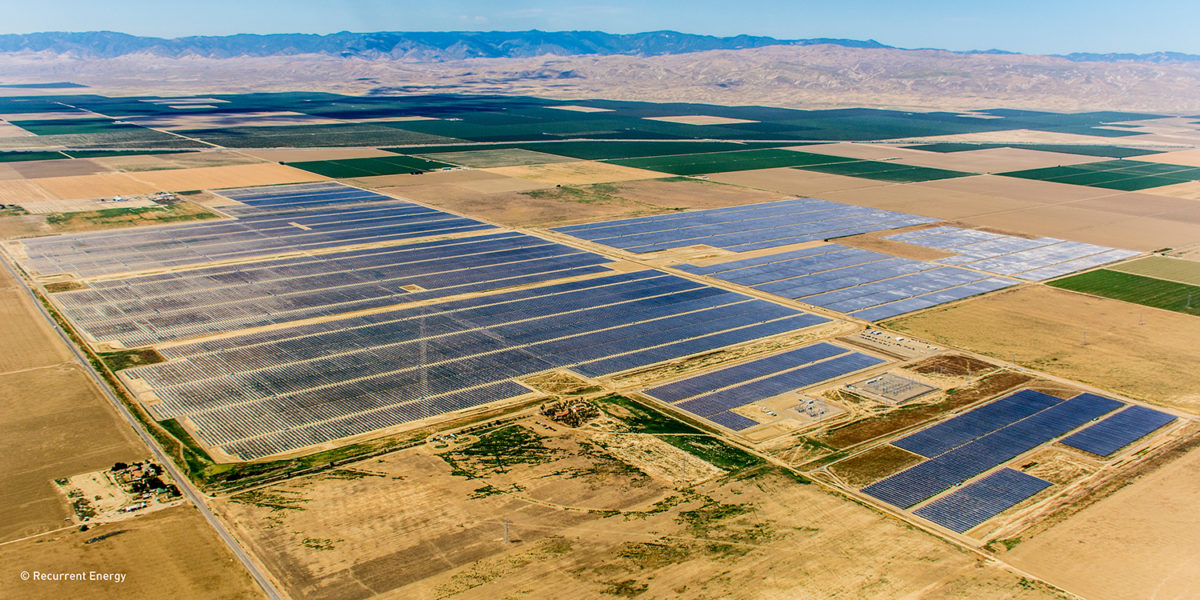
[1046, 26]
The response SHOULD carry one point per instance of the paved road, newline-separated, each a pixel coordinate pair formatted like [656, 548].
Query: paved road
[185, 485]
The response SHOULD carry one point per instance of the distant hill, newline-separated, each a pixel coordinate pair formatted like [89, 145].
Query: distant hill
[437, 46]
[416, 46]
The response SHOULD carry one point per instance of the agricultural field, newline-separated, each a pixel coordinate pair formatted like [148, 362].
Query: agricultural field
[605, 348]
[1116, 345]
[1138, 289]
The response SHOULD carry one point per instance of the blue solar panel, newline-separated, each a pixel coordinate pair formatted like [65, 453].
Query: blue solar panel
[679, 390]
[1119, 430]
[982, 500]
[731, 420]
[955, 432]
[927, 479]
[777, 384]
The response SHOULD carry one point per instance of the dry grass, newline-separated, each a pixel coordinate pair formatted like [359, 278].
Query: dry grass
[868, 467]
[1043, 328]
[575, 173]
[100, 185]
[170, 552]
[225, 177]
[1138, 541]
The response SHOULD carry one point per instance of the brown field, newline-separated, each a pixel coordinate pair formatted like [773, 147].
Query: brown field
[1154, 361]
[303, 154]
[588, 525]
[35, 169]
[585, 109]
[17, 191]
[797, 182]
[14, 226]
[1190, 158]
[1041, 208]
[167, 553]
[54, 424]
[874, 241]
[575, 173]
[548, 207]
[1137, 543]
[428, 179]
[700, 120]
[99, 185]
[225, 177]
[97, 220]
[505, 157]
[8, 130]
[853, 150]
[180, 160]
[1189, 190]
[868, 467]
[1017, 136]
[1174, 269]
[41, 207]
[992, 160]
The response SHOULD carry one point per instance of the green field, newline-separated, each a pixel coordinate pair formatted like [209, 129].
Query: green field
[1080, 149]
[32, 155]
[1162, 267]
[720, 162]
[1125, 175]
[1138, 289]
[71, 126]
[504, 157]
[313, 136]
[885, 171]
[603, 150]
[368, 167]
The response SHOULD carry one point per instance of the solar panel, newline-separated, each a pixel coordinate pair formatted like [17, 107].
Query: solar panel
[982, 500]
[1120, 430]
[976, 423]
[951, 468]
[733, 421]
[679, 390]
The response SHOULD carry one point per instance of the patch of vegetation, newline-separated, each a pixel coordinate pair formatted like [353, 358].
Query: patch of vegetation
[123, 216]
[348, 474]
[629, 588]
[640, 418]
[655, 555]
[497, 451]
[583, 194]
[491, 490]
[714, 451]
[124, 359]
[874, 464]
[318, 543]
[65, 286]
[605, 465]
[276, 500]
[702, 521]
[1138, 289]
[12, 211]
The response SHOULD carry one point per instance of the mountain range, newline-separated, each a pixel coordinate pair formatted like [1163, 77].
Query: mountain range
[452, 45]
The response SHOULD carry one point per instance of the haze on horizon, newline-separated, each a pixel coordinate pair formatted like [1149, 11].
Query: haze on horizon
[1027, 26]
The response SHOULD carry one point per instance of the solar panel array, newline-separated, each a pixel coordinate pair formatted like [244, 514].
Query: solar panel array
[742, 228]
[926, 479]
[1120, 430]
[294, 223]
[1033, 260]
[271, 391]
[982, 500]
[171, 306]
[973, 424]
[868, 285]
[713, 394]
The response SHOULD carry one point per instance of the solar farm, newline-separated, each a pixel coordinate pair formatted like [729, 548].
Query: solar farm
[574, 314]
[960, 449]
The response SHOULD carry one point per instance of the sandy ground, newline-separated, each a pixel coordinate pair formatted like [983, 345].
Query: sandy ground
[575, 173]
[171, 552]
[225, 177]
[17, 191]
[406, 527]
[700, 120]
[502, 200]
[1137, 543]
[993, 160]
[95, 186]
[303, 154]
[53, 421]
[8, 130]
[1189, 190]
[1154, 361]
[1190, 158]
